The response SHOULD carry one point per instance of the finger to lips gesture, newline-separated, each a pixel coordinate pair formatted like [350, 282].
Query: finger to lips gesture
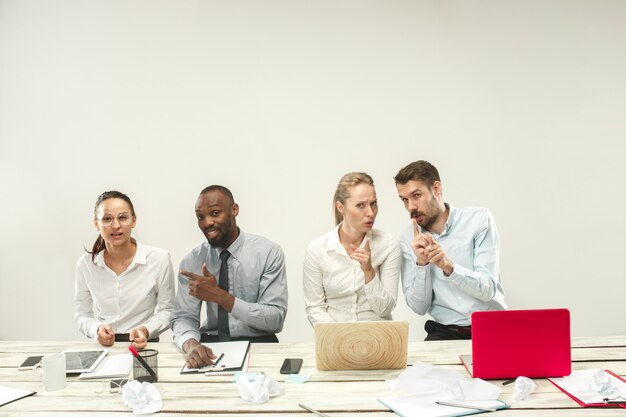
[419, 244]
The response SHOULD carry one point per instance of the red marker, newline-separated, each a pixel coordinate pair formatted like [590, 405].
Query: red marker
[142, 362]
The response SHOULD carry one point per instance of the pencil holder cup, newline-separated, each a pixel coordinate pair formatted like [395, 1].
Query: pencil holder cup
[150, 358]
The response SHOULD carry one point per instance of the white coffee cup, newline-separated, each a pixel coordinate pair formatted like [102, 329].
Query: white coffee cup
[53, 367]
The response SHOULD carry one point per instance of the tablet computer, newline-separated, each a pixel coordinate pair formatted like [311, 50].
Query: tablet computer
[79, 361]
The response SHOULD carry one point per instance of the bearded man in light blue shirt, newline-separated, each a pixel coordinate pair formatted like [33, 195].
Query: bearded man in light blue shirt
[450, 256]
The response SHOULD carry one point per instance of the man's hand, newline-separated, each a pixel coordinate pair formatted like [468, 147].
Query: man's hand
[106, 335]
[419, 244]
[364, 258]
[139, 337]
[198, 355]
[436, 256]
[206, 288]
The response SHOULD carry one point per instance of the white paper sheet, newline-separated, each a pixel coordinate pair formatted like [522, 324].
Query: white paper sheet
[424, 405]
[8, 394]
[579, 384]
[233, 360]
[112, 366]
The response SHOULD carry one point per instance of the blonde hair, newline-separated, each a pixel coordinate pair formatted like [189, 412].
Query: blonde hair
[342, 193]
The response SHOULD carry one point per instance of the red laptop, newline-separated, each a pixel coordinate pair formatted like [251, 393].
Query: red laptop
[511, 343]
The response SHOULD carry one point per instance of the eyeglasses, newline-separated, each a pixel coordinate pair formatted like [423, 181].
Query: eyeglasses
[122, 218]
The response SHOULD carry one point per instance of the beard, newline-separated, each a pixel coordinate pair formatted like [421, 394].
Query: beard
[223, 235]
[220, 239]
[428, 220]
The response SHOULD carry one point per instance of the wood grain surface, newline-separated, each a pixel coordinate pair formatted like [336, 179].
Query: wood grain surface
[361, 345]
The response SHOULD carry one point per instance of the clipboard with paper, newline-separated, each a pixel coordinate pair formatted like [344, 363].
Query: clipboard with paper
[593, 388]
[428, 405]
[231, 357]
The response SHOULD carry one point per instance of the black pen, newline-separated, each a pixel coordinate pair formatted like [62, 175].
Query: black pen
[218, 359]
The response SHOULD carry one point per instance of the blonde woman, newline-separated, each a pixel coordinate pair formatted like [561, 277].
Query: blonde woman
[352, 272]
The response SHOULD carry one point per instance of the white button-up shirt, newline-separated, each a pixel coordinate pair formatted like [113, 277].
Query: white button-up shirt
[334, 284]
[143, 295]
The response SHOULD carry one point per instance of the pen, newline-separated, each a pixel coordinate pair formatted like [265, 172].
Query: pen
[613, 401]
[313, 411]
[462, 405]
[218, 360]
[142, 362]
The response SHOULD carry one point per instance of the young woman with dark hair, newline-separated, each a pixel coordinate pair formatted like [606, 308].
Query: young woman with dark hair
[124, 290]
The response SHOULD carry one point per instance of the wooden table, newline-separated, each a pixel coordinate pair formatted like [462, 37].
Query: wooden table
[337, 393]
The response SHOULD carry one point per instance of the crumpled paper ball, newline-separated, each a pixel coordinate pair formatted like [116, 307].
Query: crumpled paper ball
[602, 383]
[259, 390]
[142, 397]
[523, 388]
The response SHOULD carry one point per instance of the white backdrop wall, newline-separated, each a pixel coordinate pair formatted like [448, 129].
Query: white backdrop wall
[520, 104]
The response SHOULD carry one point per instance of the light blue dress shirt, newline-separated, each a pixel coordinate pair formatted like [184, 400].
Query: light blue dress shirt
[257, 279]
[470, 240]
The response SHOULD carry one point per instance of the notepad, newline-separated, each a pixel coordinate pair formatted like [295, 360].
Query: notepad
[113, 366]
[233, 357]
[8, 394]
[421, 405]
[243, 369]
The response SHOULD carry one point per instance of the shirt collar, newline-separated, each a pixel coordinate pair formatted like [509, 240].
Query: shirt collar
[139, 258]
[236, 246]
[334, 244]
[451, 218]
[140, 255]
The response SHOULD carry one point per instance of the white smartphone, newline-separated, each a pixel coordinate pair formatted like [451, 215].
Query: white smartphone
[30, 363]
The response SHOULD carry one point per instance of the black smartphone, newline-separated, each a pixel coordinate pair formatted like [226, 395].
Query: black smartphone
[30, 363]
[291, 366]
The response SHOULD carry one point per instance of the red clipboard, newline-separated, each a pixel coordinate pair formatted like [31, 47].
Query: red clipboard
[583, 404]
